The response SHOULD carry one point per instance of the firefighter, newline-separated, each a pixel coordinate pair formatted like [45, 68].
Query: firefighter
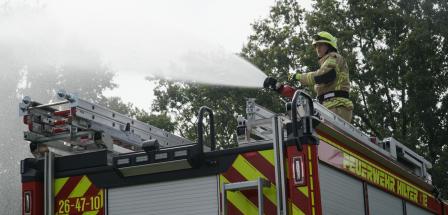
[330, 81]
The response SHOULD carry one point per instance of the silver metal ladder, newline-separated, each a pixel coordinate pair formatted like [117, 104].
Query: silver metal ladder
[73, 125]
[245, 185]
[258, 184]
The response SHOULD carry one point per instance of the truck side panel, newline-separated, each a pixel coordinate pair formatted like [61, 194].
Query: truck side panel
[195, 196]
[414, 210]
[384, 203]
[340, 193]
[367, 170]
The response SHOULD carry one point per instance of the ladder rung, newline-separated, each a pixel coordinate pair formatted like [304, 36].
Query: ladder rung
[245, 185]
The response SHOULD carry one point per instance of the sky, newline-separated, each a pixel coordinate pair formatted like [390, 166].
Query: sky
[223, 24]
[176, 39]
[136, 39]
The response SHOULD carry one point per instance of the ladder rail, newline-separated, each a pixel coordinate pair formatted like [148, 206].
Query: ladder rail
[49, 183]
[104, 116]
[280, 174]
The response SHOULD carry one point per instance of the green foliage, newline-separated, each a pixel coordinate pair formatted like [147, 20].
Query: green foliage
[397, 54]
[183, 101]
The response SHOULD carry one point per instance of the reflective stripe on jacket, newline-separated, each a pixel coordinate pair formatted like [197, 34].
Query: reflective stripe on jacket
[331, 76]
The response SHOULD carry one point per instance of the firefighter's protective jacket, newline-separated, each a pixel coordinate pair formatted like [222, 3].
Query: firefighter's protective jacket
[332, 76]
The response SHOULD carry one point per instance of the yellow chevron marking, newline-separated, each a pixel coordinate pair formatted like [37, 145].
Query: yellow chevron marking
[304, 190]
[239, 200]
[81, 188]
[268, 155]
[251, 173]
[246, 169]
[58, 184]
[296, 210]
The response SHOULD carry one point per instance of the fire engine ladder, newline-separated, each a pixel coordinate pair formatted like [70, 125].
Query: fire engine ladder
[260, 183]
[84, 126]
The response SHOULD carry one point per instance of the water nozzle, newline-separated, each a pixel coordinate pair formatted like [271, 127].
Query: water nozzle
[270, 83]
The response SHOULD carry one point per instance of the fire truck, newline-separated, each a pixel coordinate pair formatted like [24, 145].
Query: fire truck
[89, 159]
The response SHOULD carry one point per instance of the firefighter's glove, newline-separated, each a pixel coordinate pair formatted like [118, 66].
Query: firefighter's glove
[271, 83]
[294, 77]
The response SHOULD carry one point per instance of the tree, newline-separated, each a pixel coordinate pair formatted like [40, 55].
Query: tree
[183, 101]
[397, 56]
[396, 52]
